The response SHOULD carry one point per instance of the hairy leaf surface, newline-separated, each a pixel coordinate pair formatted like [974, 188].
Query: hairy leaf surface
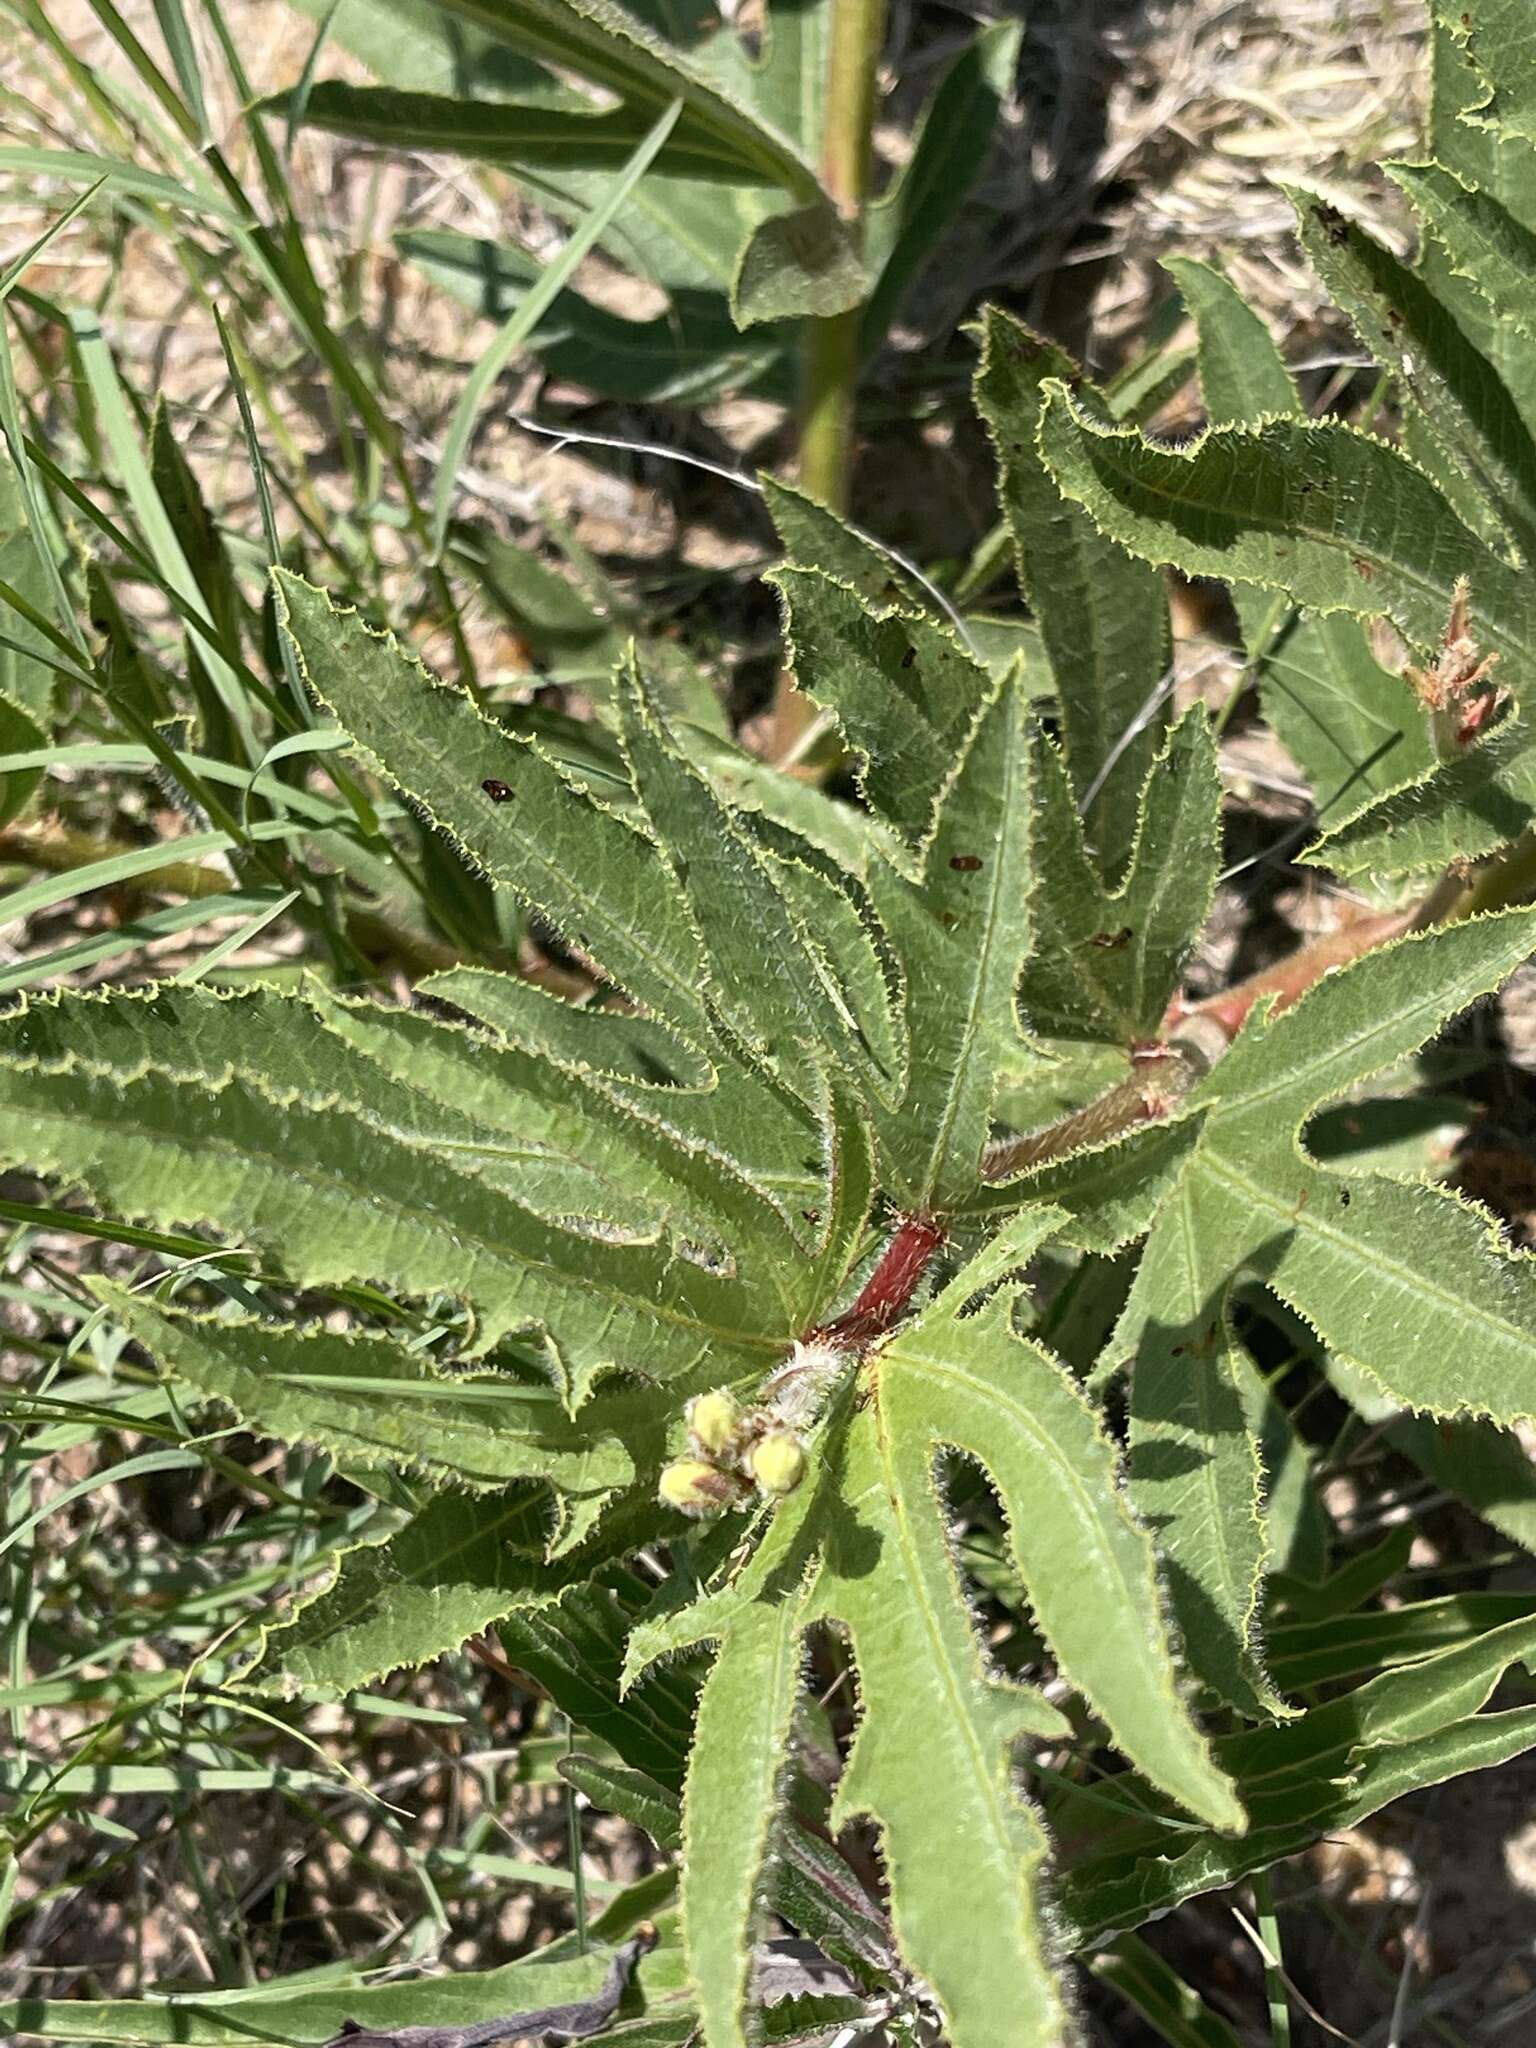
[1354, 728]
[1339, 521]
[862, 1545]
[1394, 1276]
[961, 935]
[1105, 963]
[1103, 615]
[593, 876]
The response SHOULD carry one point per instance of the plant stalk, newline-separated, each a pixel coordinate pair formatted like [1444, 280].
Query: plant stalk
[884, 1297]
[832, 347]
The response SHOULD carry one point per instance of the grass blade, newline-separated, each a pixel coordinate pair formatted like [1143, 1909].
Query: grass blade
[527, 317]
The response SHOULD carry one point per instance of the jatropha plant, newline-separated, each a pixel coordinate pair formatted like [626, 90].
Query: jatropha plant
[873, 1248]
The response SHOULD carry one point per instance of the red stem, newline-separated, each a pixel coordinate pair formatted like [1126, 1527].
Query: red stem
[890, 1287]
[1289, 979]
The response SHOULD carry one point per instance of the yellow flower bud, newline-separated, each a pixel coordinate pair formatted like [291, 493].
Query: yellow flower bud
[694, 1488]
[778, 1463]
[714, 1419]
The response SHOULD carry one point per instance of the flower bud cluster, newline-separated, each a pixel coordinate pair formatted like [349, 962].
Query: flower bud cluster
[736, 1454]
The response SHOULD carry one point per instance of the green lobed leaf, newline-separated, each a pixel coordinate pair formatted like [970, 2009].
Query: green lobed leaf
[573, 1646]
[1505, 170]
[733, 1125]
[1406, 1281]
[1496, 35]
[1103, 615]
[1106, 962]
[1337, 520]
[610, 1043]
[792, 968]
[285, 1177]
[1352, 727]
[368, 1400]
[546, 1135]
[549, 1135]
[813, 537]
[863, 1545]
[961, 936]
[903, 691]
[595, 878]
[1463, 401]
[971, 1384]
[932, 1762]
[1480, 254]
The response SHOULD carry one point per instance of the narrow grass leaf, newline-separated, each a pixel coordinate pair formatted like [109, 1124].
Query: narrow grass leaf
[551, 283]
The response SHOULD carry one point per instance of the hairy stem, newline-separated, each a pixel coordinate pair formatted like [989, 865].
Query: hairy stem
[1160, 1080]
[886, 1293]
